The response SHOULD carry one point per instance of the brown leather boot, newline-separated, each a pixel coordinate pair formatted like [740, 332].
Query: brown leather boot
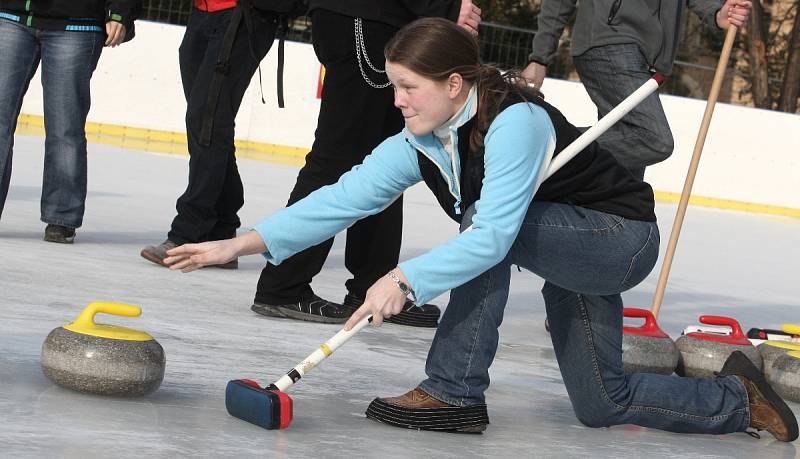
[416, 398]
[417, 409]
[767, 410]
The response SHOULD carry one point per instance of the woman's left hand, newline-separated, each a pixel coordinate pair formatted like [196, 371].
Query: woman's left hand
[384, 299]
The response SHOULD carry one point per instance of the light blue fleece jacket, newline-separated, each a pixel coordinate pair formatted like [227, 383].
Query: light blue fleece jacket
[518, 147]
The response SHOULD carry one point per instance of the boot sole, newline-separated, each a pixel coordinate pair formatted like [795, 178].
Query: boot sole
[284, 313]
[66, 240]
[751, 373]
[472, 419]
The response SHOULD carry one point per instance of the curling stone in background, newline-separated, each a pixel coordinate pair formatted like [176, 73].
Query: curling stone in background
[785, 376]
[701, 354]
[771, 350]
[103, 359]
[647, 349]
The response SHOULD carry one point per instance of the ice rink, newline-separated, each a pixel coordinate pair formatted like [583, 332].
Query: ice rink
[728, 263]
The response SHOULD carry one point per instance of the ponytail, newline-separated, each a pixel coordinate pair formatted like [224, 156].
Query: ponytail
[493, 87]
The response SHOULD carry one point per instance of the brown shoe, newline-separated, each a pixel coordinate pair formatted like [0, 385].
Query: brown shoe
[767, 410]
[416, 398]
[417, 409]
[157, 253]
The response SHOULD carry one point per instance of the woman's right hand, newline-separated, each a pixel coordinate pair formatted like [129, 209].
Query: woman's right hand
[189, 257]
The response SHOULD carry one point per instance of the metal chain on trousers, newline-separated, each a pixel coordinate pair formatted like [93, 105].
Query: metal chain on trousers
[361, 50]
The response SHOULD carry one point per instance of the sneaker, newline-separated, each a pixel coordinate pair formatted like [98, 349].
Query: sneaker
[426, 315]
[157, 253]
[418, 410]
[314, 309]
[767, 410]
[59, 234]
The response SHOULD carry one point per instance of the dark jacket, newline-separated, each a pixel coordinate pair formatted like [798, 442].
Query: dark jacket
[393, 12]
[593, 179]
[72, 15]
[654, 25]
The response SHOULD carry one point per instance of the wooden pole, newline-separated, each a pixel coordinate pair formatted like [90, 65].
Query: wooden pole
[719, 75]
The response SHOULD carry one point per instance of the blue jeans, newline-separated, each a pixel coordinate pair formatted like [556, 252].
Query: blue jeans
[610, 74]
[68, 61]
[586, 258]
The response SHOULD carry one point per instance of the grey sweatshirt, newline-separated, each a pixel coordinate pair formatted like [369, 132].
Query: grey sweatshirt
[654, 25]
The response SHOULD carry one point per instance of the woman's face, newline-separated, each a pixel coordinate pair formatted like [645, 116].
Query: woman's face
[426, 104]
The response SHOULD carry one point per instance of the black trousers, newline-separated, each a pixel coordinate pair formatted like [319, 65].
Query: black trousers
[208, 208]
[353, 119]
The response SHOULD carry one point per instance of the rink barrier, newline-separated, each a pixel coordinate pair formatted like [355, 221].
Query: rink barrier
[174, 143]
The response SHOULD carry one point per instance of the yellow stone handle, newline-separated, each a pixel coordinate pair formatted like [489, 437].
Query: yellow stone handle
[784, 345]
[86, 325]
[86, 319]
[790, 328]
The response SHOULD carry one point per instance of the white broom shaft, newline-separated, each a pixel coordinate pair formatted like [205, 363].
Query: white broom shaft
[604, 123]
[324, 350]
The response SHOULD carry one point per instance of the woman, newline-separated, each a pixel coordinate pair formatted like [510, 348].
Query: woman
[482, 144]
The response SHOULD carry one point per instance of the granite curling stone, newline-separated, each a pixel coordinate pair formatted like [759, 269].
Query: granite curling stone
[771, 350]
[647, 349]
[703, 353]
[785, 376]
[103, 359]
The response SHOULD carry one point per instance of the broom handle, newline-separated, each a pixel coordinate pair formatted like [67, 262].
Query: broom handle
[604, 123]
[327, 348]
[687, 186]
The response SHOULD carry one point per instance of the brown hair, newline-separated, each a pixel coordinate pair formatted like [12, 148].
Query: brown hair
[436, 48]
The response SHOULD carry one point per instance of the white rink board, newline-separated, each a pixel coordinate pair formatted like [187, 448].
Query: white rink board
[750, 155]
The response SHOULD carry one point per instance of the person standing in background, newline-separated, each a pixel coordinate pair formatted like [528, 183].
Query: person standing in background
[616, 46]
[356, 114]
[67, 39]
[222, 47]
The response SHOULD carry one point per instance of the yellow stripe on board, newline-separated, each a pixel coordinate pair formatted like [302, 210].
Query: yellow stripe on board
[174, 143]
[326, 349]
[664, 196]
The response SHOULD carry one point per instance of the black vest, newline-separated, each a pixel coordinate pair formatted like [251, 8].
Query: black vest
[592, 179]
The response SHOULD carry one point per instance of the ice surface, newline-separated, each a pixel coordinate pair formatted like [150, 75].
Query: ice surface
[728, 263]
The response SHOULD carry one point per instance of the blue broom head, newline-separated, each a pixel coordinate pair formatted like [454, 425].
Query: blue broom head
[268, 408]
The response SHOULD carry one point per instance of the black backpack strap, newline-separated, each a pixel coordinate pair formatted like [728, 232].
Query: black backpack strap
[220, 70]
[283, 27]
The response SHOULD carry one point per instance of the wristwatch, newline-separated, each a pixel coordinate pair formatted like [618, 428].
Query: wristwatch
[405, 288]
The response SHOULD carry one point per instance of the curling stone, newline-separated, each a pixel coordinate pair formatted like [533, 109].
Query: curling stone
[103, 359]
[771, 350]
[785, 376]
[703, 353]
[647, 349]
